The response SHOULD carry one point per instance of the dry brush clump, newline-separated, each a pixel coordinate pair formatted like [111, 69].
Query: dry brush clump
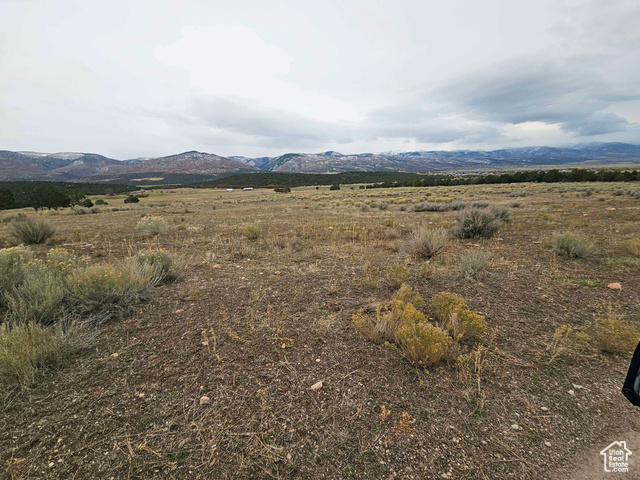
[429, 242]
[572, 245]
[151, 225]
[32, 231]
[472, 263]
[477, 223]
[38, 297]
[423, 342]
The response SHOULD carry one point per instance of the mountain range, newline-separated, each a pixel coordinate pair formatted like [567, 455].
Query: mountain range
[73, 166]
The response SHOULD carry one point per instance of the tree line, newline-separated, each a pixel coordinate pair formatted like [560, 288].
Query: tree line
[52, 195]
[533, 176]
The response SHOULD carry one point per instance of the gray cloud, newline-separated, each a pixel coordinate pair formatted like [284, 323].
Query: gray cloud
[273, 127]
[564, 93]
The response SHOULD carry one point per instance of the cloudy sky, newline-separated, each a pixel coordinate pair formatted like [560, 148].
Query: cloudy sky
[252, 77]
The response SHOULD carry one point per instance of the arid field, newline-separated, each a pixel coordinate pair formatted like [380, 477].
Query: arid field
[207, 372]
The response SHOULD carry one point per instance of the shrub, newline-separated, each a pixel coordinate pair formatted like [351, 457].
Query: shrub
[438, 206]
[571, 245]
[457, 205]
[103, 286]
[631, 246]
[87, 203]
[480, 204]
[12, 262]
[477, 223]
[252, 232]
[25, 347]
[444, 304]
[151, 225]
[389, 319]
[472, 263]
[612, 334]
[383, 205]
[38, 298]
[395, 275]
[427, 243]
[131, 199]
[63, 261]
[503, 213]
[160, 262]
[32, 231]
[516, 204]
[466, 325]
[334, 187]
[101, 202]
[423, 343]
[452, 312]
[364, 207]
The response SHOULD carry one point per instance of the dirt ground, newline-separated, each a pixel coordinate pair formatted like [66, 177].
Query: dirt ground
[253, 324]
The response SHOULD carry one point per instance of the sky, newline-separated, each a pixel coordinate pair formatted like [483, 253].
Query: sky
[137, 78]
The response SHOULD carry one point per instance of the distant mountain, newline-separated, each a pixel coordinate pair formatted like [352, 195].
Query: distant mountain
[423, 161]
[188, 162]
[70, 166]
[45, 166]
[74, 166]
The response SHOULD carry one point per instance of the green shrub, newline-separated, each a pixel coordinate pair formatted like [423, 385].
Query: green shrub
[334, 187]
[571, 245]
[477, 223]
[631, 246]
[423, 343]
[151, 225]
[612, 334]
[466, 325]
[383, 206]
[63, 261]
[502, 213]
[38, 298]
[32, 231]
[472, 263]
[131, 199]
[101, 202]
[12, 262]
[438, 206]
[427, 243]
[444, 304]
[103, 285]
[252, 232]
[451, 311]
[516, 204]
[395, 275]
[24, 348]
[480, 204]
[160, 262]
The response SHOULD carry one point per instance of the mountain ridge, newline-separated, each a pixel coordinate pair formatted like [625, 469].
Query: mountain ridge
[75, 166]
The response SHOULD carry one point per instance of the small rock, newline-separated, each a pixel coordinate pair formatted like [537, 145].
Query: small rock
[204, 400]
[571, 392]
[217, 265]
[615, 286]
[610, 208]
[515, 426]
[316, 386]
[114, 355]
[277, 272]
[548, 444]
[577, 387]
[544, 409]
[180, 310]
[289, 456]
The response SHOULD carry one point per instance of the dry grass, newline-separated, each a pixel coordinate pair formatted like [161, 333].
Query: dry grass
[278, 312]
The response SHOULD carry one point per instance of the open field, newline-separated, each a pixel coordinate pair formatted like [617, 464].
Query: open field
[258, 315]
